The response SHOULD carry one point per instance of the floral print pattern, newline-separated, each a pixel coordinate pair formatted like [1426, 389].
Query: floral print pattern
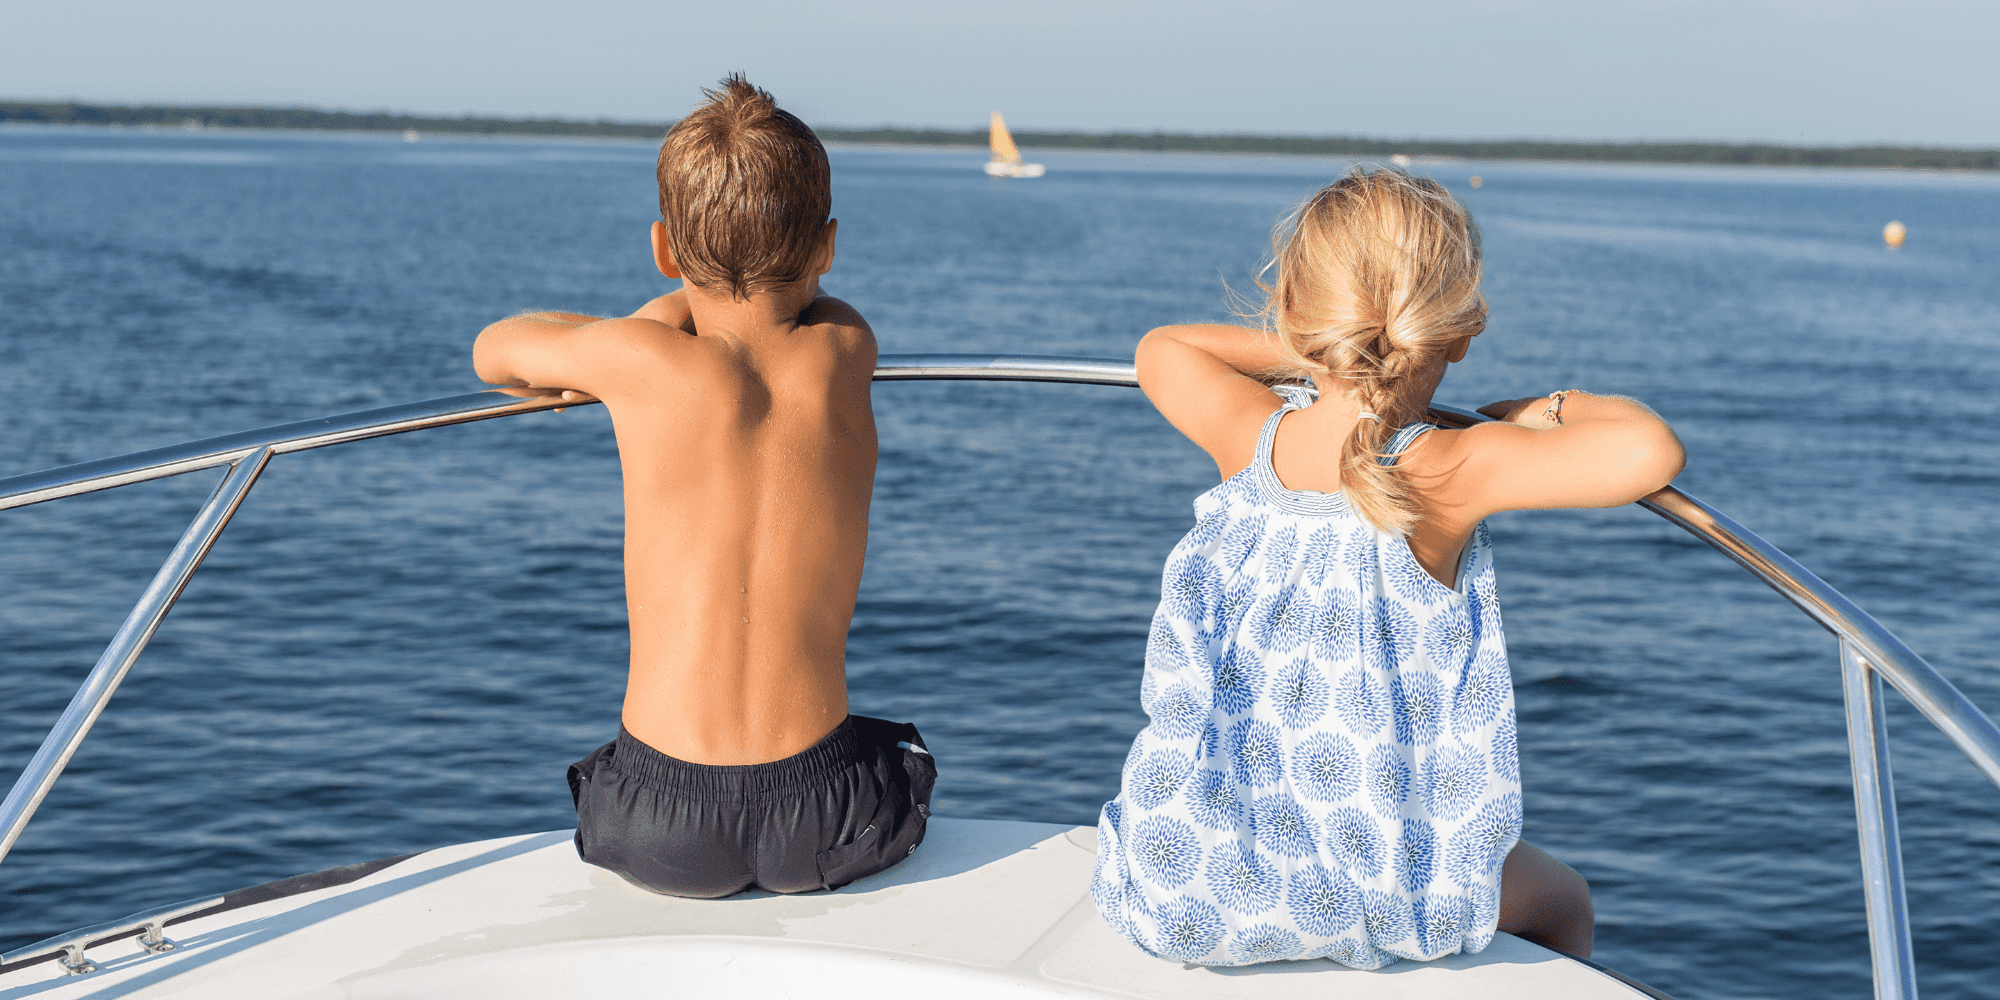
[1329, 769]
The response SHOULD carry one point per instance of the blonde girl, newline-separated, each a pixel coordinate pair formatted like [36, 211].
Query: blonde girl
[1329, 769]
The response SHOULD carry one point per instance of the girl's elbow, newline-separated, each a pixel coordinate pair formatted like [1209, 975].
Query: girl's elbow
[1653, 462]
[1147, 356]
[1666, 455]
[1154, 340]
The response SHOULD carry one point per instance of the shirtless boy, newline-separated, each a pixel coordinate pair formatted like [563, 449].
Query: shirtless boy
[741, 408]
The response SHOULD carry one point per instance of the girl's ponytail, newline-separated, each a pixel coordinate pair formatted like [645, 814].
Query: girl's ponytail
[1377, 275]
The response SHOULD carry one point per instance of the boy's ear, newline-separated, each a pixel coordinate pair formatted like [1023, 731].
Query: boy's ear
[663, 255]
[825, 245]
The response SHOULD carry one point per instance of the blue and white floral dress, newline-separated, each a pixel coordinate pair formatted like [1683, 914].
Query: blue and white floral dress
[1330, 766]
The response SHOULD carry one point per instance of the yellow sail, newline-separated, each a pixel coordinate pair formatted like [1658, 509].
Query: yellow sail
[1002, 143]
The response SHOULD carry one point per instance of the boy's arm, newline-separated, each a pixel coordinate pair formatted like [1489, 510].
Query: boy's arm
[543, 354]
[1209, 381]
[527, 353]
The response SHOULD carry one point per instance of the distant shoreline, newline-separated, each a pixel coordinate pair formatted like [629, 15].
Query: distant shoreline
[313, 119]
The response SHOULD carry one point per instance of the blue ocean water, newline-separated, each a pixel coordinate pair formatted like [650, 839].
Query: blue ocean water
[400, 643]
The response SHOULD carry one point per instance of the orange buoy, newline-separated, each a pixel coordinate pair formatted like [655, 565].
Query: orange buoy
[1893, 234]
[1476, 182]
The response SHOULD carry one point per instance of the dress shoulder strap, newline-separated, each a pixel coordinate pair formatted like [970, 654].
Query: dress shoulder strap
[1270, 434]
[1394, 448]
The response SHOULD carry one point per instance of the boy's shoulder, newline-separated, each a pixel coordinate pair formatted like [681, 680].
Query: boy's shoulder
[641, 349]
[834, 318]
[830, 337]
[668, 324]
[629, 343]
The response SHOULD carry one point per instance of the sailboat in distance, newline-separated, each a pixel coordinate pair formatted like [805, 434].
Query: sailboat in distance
[1006, 161]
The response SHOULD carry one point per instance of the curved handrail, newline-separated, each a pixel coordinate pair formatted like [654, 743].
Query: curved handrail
[303, 435]
[1971, 730]
[1865, 644]
[1968, 728]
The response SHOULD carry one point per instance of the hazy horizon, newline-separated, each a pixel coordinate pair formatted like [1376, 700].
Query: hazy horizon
[1792, 72]
[980, 127]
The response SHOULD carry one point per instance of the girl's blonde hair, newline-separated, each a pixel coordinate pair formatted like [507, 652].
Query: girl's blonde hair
[1376, 275]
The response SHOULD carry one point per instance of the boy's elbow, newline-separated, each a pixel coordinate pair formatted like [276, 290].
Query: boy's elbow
[486, 359]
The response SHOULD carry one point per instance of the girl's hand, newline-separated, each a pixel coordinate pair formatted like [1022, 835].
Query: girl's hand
[1527, 412]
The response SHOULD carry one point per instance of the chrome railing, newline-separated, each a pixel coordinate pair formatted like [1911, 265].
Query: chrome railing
[1868, 651]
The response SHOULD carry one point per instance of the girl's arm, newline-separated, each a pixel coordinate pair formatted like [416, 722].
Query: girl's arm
[1584, 451]
[1208, 381]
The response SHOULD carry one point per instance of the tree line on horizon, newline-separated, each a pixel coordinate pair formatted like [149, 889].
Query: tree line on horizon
[1761, 154]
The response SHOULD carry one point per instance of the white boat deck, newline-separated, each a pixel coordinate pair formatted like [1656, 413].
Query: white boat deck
[984, 908]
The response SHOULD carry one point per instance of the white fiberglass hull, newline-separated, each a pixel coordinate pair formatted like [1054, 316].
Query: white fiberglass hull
[983, 909]
[1011, 168]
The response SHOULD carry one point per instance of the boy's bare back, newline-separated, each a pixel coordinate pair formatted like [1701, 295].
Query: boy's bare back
[746, 506]
[748, 448]
[741, 407]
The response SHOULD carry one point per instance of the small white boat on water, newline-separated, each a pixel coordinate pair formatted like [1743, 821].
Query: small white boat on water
[1006, 161]
[985, 908]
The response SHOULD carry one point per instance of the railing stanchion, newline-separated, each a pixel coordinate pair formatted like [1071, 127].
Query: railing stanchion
[137, 630]
[1875, 816]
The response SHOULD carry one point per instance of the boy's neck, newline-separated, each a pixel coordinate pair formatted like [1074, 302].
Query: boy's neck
[716, 311]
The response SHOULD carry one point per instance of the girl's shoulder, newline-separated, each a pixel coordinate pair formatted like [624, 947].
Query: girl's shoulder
[1438, 456]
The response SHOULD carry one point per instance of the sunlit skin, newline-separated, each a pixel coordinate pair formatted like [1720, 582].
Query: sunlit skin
[1606, 452]
[748, 447]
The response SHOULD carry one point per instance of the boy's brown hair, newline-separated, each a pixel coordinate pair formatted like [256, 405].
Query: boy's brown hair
[744, 191]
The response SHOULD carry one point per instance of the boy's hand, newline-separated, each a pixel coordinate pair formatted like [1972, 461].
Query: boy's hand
[533, 391]
[575, 396]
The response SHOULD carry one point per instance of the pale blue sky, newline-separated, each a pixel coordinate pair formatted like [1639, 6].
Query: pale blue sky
[1815, 71]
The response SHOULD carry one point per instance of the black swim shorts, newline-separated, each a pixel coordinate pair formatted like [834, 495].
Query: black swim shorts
[851, 805]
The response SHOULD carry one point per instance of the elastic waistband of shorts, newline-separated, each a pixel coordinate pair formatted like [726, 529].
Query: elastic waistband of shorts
[840, 750]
